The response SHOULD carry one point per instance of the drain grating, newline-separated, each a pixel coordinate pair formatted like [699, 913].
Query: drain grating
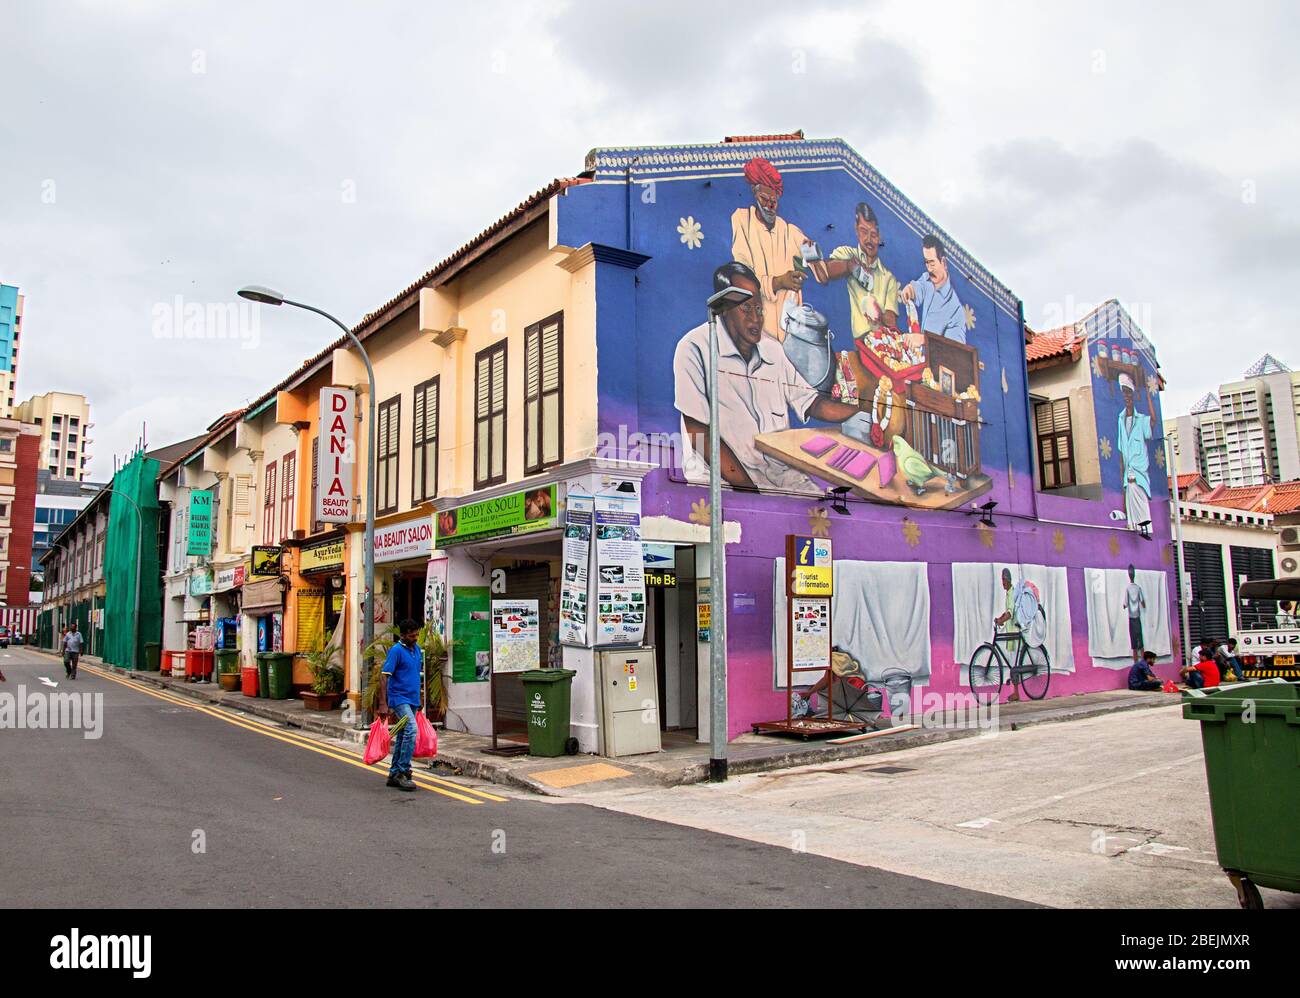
[889, 770]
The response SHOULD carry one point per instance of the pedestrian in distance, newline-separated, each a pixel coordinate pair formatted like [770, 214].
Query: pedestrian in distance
[71, 650]
[1141, 676]
[399, 698]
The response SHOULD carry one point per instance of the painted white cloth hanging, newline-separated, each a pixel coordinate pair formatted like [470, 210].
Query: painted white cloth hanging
[880, 614]
[1110, 631]
[979, 598]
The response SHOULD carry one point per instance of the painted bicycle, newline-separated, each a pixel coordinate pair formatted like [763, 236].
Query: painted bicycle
[1025, 661]
[991, 667]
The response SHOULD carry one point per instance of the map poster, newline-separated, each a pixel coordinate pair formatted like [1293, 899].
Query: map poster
[620, 571]
[515, 635]
[810, 634]
[574, 629]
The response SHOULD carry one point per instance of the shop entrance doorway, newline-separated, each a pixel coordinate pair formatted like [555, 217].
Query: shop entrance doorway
[408, 597]
[670, 629]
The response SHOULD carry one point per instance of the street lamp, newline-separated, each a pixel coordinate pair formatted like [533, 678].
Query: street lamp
[719, 302]
[267, 296]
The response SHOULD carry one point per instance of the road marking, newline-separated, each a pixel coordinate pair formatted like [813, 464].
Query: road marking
[572, 776]
[48, 682]
[444, 787]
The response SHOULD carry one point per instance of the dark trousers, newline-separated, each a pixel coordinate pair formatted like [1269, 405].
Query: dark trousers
[1148, 684]
[70, 663]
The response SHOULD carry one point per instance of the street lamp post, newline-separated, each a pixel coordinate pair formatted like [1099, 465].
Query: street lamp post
[719, 302]
[266, 296]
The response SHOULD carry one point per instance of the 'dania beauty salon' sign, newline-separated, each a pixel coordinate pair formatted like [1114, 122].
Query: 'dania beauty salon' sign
[337, 457]
[400, 541]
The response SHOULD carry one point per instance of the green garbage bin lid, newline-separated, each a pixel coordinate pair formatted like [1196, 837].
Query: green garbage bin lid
[546, 675]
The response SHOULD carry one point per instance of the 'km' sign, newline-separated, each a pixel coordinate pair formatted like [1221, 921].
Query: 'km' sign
[337, 455]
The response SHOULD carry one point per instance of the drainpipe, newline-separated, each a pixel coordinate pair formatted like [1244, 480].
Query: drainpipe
[1175, 509]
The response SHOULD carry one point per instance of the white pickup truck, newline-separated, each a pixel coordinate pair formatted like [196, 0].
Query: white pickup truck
[1268, 641]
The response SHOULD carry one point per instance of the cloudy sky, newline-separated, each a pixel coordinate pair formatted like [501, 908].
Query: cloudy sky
[158, 153]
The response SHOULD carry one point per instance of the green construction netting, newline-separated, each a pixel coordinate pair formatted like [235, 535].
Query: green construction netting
[124, 637]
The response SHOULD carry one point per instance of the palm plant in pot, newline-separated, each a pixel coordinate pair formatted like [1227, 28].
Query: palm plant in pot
[326, 678]
[436, 651]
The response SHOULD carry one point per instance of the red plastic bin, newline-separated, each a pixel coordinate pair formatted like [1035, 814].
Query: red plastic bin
[248, 680]
[198, 665]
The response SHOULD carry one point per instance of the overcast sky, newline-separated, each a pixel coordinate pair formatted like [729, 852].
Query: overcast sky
[334, 151]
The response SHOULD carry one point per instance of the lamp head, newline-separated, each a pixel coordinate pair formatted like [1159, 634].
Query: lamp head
[265, 296]
[727, 299]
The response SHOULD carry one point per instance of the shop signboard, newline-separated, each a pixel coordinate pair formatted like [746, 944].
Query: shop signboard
[201, 583]
[337, 457]
[516, 513]
[574, 627]
[324, 557]
[620, 571]
[703, 611]
[228, 578]
[403, 541]
[200, 539]
[516, 635]
[811, 568]
[266, 562]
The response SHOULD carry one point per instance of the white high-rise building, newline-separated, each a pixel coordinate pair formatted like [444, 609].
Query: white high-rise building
[64, 419]
[1247, 433]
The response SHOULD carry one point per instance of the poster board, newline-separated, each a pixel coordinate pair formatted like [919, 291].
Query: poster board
[575, 628]
[620, 571]
[471, 658]
[516, 635]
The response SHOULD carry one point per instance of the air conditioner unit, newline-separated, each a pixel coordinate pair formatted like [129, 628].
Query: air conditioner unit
[1289, 565]
[1290, 537]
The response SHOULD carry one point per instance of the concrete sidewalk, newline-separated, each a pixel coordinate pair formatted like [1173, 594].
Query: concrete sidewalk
[682, 761]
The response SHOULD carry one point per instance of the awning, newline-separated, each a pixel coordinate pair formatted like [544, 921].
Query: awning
[265, 595]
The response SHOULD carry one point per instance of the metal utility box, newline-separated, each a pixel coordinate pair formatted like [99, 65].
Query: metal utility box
[629, 701]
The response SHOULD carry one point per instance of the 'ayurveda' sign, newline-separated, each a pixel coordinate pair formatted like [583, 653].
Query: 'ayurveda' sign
[517, 513]
[337, 455]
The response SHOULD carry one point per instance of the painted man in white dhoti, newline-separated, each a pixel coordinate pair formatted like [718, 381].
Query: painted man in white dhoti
[768, 245]
[1133, 437]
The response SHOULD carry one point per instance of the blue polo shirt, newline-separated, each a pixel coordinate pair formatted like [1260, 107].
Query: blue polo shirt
[403, 667]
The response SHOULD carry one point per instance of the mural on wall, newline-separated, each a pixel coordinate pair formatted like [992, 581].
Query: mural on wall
[874, 386]
[880, 626]
[984, 604]
[1128, 613]
[1126, 401]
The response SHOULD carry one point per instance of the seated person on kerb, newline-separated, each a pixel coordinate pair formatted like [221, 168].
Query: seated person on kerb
[1225, 657]
[1203, 673]
[1141, 676]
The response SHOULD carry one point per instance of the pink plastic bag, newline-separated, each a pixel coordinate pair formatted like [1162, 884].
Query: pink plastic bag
[426, 738]
[379, 743]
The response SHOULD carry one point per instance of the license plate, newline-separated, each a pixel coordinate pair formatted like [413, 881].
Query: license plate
[1283, 660]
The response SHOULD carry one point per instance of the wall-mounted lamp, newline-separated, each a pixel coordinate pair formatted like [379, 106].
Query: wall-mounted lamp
[985, 512]
[836, 498]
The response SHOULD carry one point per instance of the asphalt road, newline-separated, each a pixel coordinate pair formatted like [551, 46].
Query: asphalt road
[175, 806]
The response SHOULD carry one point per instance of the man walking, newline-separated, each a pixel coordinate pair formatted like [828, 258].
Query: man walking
[71, 650]
[399, 698]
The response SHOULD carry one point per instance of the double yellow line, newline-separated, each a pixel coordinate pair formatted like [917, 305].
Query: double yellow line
[456, 791]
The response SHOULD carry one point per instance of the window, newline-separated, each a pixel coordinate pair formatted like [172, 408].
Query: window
[6, 444]
[242, 495]
[490, 415]
[424, 436]
[543, 393]
[316, 525]
[1055, 443]
[74, 421]
[268, 507]
[288, 492]
[389, 435]
[4, 509]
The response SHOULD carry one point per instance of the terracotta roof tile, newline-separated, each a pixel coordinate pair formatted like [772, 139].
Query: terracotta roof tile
[1054, 343]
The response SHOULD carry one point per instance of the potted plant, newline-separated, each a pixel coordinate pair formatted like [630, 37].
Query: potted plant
[375, 653]
[436, 652]
[326, 678]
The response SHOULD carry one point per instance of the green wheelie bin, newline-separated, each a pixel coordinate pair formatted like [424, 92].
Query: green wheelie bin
[1251, 736]
[546, 700]
[152, 656]
[263, 675]
[279, 674]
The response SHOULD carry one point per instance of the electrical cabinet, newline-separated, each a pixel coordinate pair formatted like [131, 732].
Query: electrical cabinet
[629, 701]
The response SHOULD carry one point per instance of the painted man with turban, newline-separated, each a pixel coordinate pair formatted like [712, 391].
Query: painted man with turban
[768, 245]
[1134, 436]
